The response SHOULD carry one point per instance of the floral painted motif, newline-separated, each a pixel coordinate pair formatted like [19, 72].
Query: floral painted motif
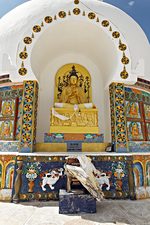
[31, 172]
[119, 173]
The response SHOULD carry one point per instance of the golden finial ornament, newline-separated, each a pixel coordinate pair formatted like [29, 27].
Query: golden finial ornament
[124, 59]
[97, 20]
[42, 24]
[124, 74]
[122, 46]
[110, 28]
[25, 49]
[55, 17]
[22, 64]
[83, 14]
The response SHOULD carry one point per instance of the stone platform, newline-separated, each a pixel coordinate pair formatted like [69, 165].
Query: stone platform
[76, 202]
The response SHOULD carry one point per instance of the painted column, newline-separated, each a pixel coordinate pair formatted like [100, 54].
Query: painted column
[118, 117]
[29, 116]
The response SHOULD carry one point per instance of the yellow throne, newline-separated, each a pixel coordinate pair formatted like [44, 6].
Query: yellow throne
[73, 110]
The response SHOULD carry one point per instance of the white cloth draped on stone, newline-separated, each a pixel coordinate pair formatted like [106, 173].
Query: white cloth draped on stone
[85, 174]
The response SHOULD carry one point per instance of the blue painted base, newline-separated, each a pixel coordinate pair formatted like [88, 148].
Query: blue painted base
[9, 146]
[70, 203]
[59, 138]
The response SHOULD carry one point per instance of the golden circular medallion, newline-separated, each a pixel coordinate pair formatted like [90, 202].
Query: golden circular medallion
[91, 15]
[62, 14]
[76, 2]
[27, 40]
[28, 98]
[26, 127]
[28, 108]
[48, 19]
[27, 117]
[23, 55]
[76, 11]
[122, 47]
[116, 34]
[105, 23]
[22, 71]
[125, 60]
[36, 28]
[124, 74]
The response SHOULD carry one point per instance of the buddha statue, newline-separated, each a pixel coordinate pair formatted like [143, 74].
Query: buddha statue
[73, 94]
[72, 111]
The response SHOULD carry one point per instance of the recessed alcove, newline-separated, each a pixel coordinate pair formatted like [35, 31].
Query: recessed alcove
[74, 42]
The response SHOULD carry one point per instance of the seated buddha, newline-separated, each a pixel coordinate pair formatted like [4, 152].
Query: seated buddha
[73, 113]
[73, 94]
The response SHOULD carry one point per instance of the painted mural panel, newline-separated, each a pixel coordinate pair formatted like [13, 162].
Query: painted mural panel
[43, 177]
[147, 111]
[148, 130]
[135, 131]
[9, 174]
[7, 164]
[133, 110]
[6, 129]
[8, 108]
[148, 173]
[0, 175]
[141, 170]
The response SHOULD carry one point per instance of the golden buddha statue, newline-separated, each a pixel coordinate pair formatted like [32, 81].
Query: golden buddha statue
[73, 94]
[72, 111]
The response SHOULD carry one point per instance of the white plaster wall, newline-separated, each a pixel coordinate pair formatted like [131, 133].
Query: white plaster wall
[18, 22]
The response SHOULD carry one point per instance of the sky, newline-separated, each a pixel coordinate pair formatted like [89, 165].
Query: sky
[139, 10]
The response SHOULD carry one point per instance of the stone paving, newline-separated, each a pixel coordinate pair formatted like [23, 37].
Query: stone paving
[109, 212]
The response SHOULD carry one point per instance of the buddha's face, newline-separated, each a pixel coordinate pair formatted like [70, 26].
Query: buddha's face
[73, 80]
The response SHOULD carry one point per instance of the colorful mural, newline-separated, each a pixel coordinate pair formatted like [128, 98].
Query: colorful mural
[9, 96]
[132, 110]
[43, 176]
[134, 130]
[29, 114]
[9, 174]
[9, 146]
[7, 130]
[148, 173]
[118, 117]
[8, 108]
[139, 146]
[0, 175]
[148, 130]
[141, 170]
[147, 111]
[7, 164]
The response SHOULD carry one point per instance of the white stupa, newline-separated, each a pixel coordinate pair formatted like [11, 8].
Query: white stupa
[86, 32]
